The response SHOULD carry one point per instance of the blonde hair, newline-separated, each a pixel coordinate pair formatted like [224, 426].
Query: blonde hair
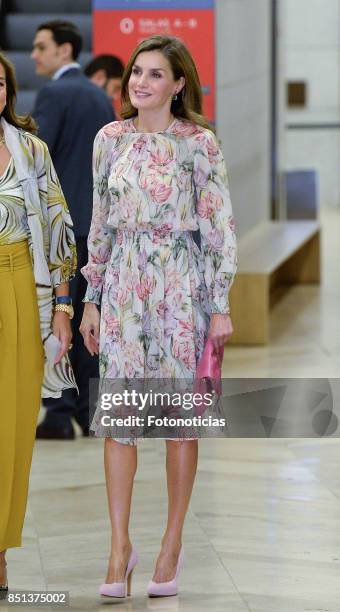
[189, 100]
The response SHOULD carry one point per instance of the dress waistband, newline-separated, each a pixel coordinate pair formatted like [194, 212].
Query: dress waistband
[159, 232]
[14, 256]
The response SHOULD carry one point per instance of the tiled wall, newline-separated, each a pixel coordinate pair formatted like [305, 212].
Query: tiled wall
[312, 53]
[243, 104]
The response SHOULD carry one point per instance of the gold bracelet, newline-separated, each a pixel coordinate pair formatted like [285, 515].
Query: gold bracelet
[68, 308]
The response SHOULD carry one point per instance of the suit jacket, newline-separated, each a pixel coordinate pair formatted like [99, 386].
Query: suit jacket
[69, 112]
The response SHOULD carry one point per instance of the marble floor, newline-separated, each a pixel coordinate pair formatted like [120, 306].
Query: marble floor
[263, 530]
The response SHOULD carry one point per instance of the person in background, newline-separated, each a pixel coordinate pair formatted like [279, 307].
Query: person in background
[106, 71]
[37, 260]
[69, 111]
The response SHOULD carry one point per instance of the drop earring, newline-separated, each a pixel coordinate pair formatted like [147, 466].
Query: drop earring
[175, 97]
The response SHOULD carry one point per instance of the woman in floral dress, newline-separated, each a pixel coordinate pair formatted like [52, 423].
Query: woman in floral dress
[159, 175]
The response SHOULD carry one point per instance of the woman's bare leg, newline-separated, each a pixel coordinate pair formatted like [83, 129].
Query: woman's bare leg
[120, 468]
[181, 466]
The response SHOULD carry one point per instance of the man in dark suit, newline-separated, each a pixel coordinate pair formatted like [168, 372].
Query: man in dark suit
[69, 111]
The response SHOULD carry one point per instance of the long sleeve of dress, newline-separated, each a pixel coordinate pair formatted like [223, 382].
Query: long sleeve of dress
[100, 238]
[216, 222]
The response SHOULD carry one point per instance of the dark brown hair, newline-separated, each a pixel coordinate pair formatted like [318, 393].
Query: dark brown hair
[64, 32]
[27, 122]
[112, 66]
[189, 100]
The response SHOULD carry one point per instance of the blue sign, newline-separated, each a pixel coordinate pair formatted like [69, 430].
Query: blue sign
[151, 4]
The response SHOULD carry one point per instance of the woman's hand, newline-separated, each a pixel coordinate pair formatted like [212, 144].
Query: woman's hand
[220, 329]
[61, 326]
[89, 328]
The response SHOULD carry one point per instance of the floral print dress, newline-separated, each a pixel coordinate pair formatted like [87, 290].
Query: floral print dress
[157, 287]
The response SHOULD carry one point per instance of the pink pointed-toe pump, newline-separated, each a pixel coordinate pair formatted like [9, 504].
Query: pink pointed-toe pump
[121, 589]
[165, 589]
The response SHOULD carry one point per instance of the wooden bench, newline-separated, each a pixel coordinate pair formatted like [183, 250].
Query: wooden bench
[273, 254]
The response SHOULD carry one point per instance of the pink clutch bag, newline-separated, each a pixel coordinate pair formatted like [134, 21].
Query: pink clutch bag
[208, 375]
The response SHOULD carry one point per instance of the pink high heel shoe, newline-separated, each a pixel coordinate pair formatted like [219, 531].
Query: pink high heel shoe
[165, 589]
[121, 589]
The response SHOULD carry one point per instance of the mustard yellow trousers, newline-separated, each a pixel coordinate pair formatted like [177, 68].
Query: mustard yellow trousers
[21, 372]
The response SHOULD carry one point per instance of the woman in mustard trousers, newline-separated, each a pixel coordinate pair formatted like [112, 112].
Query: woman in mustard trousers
[37, 259]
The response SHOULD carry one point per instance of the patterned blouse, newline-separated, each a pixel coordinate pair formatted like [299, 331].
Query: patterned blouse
[170, 181]
[13, 216]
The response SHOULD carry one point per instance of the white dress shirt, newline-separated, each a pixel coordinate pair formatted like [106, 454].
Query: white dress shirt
[64, 69]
